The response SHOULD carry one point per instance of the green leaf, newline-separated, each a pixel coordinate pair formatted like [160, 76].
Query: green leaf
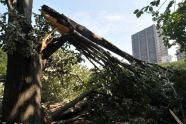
[3, 2]
[146, 8]
[139, 14]
[157, 2]
[136, 11]
[150, 9]
[153, 3]
[154, 19]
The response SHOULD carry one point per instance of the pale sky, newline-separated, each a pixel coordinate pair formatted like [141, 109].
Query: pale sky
[112, 19]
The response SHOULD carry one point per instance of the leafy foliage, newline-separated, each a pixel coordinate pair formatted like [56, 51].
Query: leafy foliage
[64, 78]
[3, 2]
[129, 98]
[171, 21]
[13, 37]
[3, 61]
[20, 36]
[178, 77]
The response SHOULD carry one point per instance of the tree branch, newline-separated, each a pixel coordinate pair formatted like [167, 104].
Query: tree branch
[11, 4]
[66, 25]
[89, 51]
[71, 113]
[53, 46]
[105, 54]
[88, 34]
[175, 117]
[71, 110]
[57, 114]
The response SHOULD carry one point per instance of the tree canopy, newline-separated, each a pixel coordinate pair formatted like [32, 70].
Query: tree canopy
[170, 16]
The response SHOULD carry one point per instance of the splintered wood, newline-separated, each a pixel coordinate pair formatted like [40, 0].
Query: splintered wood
[95, 48]
[54, 23]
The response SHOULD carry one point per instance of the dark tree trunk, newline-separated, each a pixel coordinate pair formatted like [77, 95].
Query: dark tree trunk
[22, 94]
[22, 90]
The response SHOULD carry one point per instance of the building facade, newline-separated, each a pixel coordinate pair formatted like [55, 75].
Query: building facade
[147, 45]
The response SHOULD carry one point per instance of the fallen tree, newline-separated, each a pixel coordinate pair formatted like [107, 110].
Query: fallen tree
[25, 103]
[98, 49]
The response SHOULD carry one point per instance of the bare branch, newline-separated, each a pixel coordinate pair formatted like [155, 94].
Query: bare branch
[109, 59]
[46, 40]
[175, 117]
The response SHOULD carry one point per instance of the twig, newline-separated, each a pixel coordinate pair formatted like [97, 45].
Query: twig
[175, 117]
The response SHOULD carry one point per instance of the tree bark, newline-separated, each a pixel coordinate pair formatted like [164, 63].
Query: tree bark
[57, 115]
[21, 101]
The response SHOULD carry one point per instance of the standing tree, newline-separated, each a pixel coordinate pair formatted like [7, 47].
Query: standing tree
[171, 20]
[27, 49]
[21, 101]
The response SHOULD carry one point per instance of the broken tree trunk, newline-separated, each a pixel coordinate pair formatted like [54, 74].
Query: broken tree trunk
[59, 114]
[53, 46]
[65, 25]
[56, 19]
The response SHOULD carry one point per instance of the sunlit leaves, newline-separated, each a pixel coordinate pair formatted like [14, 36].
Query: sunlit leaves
[3, 61]
[64, 78]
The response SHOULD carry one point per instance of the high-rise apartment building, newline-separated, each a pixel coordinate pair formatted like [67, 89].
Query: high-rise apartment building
[147, 45]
